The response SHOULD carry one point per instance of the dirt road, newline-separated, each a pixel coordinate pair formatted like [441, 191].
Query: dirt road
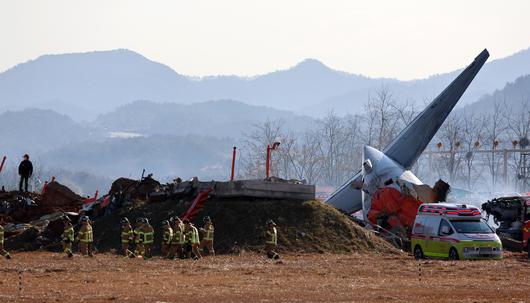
[50, 277]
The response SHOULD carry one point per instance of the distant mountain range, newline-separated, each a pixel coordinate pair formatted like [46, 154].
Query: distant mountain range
[183, 140]
[35, 130]
[65, 109]
[493, 76]
[85, 85]
[513, 96]
[223, 118]
[163, 155]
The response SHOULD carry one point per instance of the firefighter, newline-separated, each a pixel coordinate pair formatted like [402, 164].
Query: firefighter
[138, 239]
[148, 238]
[192, 240]
[2, 251]
[68, 236]
[179, 239]
[167, 238]
[127, 237]
[85, 237]
[207, 235]
[271, 243]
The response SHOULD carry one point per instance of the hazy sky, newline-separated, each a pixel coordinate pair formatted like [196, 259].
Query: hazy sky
[403, 39]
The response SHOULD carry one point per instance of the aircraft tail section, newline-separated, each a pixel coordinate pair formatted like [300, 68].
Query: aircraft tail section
[406, 148]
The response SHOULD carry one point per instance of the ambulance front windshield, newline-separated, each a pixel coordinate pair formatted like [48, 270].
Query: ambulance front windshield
[471, 227]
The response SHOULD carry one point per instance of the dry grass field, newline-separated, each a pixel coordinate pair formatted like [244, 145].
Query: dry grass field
[51, 277]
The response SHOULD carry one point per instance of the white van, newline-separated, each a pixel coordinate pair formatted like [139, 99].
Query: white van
[453, 231]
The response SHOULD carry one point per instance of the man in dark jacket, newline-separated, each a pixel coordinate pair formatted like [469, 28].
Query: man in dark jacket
[25, 170]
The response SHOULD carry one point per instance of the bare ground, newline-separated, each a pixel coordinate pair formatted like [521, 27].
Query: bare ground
[51, 277]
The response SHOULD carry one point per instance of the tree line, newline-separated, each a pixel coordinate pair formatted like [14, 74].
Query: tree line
[330, 151]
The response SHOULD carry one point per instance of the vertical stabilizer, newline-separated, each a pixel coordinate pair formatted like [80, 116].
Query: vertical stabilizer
[406, 148]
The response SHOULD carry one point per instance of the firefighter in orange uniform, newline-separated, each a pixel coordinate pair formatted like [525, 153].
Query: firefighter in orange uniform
[148, 233]
[127, 237]
[85, 237]
[138, 239]
[207, 235]
[179, 237]
[68, 236]
[271, 243]
[167, 237]
[192, 240]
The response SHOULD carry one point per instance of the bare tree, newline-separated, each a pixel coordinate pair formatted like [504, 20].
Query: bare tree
[331, 129]
[494, 127]
[406, 112]
[369, 123]
[253, 152]
[307, 160]
[450, 133]
[350, 155]
[472, 135]
[384, 117]
[518, 124]
[285, 167]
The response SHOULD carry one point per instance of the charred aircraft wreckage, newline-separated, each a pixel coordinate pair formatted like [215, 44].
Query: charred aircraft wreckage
[385, 190]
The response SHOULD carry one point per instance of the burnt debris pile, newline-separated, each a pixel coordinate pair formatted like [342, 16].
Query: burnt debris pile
[33, 220]
[303, 226]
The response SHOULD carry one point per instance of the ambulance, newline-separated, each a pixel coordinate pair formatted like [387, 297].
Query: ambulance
[453, 231]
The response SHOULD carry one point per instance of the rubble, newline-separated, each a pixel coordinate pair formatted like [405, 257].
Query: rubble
[34, 220]
[134, 189]
[25, 207]
[304, 226]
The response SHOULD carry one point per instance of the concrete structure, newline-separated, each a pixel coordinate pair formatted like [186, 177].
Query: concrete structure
[259, 189]
[264, 190]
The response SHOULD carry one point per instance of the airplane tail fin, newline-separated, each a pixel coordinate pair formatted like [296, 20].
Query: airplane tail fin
[412, 141]
[406, 148]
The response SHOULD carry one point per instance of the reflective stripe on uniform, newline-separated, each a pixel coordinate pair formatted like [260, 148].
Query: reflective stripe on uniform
[178, 236]
[68, 234]
[141, 237]
[193, 235]
[209, 233]
[86, 236]
[127, 235]
[196, 232]
[168, 235]
[272, 236]
[149, 237]
[137, 236]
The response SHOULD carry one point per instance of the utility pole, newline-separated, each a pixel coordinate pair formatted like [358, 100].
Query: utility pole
[275, 146]
[505, 168]
[233, 164]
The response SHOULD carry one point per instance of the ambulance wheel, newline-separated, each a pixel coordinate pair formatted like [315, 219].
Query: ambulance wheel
[418, 253]
[453, 254]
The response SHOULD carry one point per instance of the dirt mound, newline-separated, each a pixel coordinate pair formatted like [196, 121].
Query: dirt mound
[134, 189]
[58, 195]
[309, 226]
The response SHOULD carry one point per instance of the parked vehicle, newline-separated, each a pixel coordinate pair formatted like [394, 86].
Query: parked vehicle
[453, 231]
[512, 214]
